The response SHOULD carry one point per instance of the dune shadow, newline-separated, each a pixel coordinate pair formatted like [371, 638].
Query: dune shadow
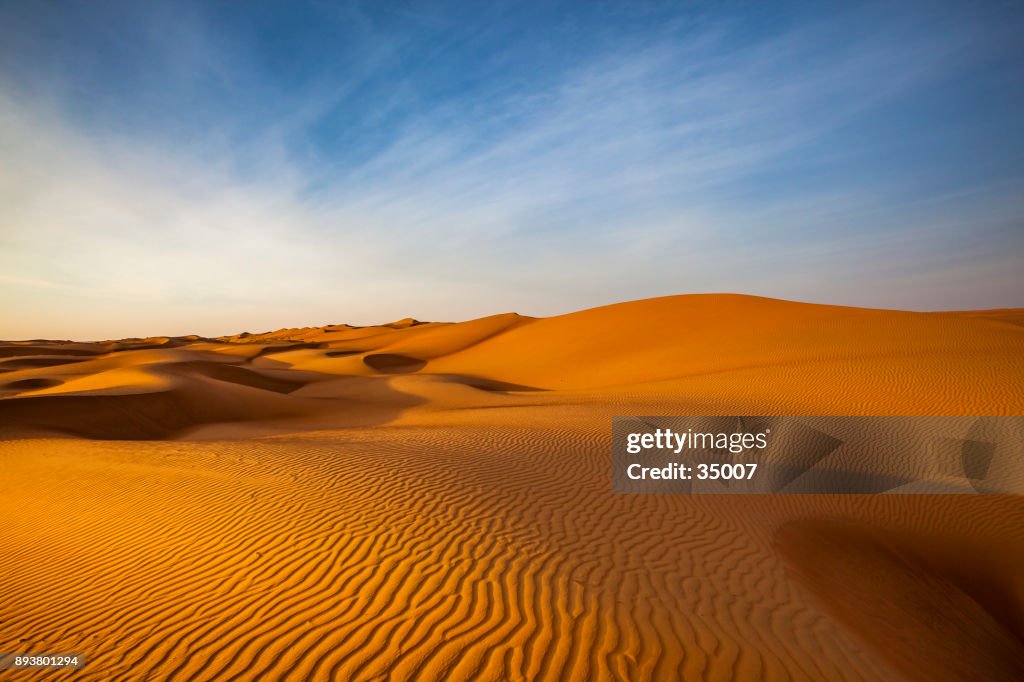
[273, 350]
[920, 615]
[491, 385]
[22, 351]
[33, 384]
[233, 374]
[196, 402]
[390, 363]
[16, 364]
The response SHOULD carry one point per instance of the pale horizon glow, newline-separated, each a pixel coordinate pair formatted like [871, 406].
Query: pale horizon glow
[219, 168]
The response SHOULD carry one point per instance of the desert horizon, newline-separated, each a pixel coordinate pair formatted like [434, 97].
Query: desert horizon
[995, 311]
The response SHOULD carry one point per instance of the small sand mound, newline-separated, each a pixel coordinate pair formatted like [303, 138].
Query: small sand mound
[403, 323]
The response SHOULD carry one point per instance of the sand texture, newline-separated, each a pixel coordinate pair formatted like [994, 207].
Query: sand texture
[433, 501]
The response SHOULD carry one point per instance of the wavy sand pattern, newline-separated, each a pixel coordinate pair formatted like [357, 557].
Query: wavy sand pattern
[432, 501]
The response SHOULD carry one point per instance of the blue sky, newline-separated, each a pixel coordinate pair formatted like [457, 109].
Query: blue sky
[219, 167]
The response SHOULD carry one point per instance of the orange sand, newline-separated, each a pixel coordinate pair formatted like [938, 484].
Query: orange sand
[425, 501]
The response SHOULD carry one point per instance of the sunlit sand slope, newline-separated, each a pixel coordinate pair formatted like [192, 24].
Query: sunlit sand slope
[433, 501]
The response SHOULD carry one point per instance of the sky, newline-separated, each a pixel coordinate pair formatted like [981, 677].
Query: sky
[218, 167]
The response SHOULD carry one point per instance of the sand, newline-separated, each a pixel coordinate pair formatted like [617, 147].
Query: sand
[433, 501]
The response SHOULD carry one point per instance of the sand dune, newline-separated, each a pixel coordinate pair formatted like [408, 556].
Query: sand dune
[432, 501]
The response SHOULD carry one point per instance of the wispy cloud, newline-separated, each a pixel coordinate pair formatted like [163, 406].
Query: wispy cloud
[683, 157]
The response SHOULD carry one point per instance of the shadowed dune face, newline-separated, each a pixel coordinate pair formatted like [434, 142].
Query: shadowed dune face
[18, 363]
[136, 396]
[391, 363]
[22, 351]
[32, 384]
[920, 614]
[233, 374]
[273, 350]
[432, 501]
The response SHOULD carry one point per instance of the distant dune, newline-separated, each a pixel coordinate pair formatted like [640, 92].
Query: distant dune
[429, 500]
[734, 352]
